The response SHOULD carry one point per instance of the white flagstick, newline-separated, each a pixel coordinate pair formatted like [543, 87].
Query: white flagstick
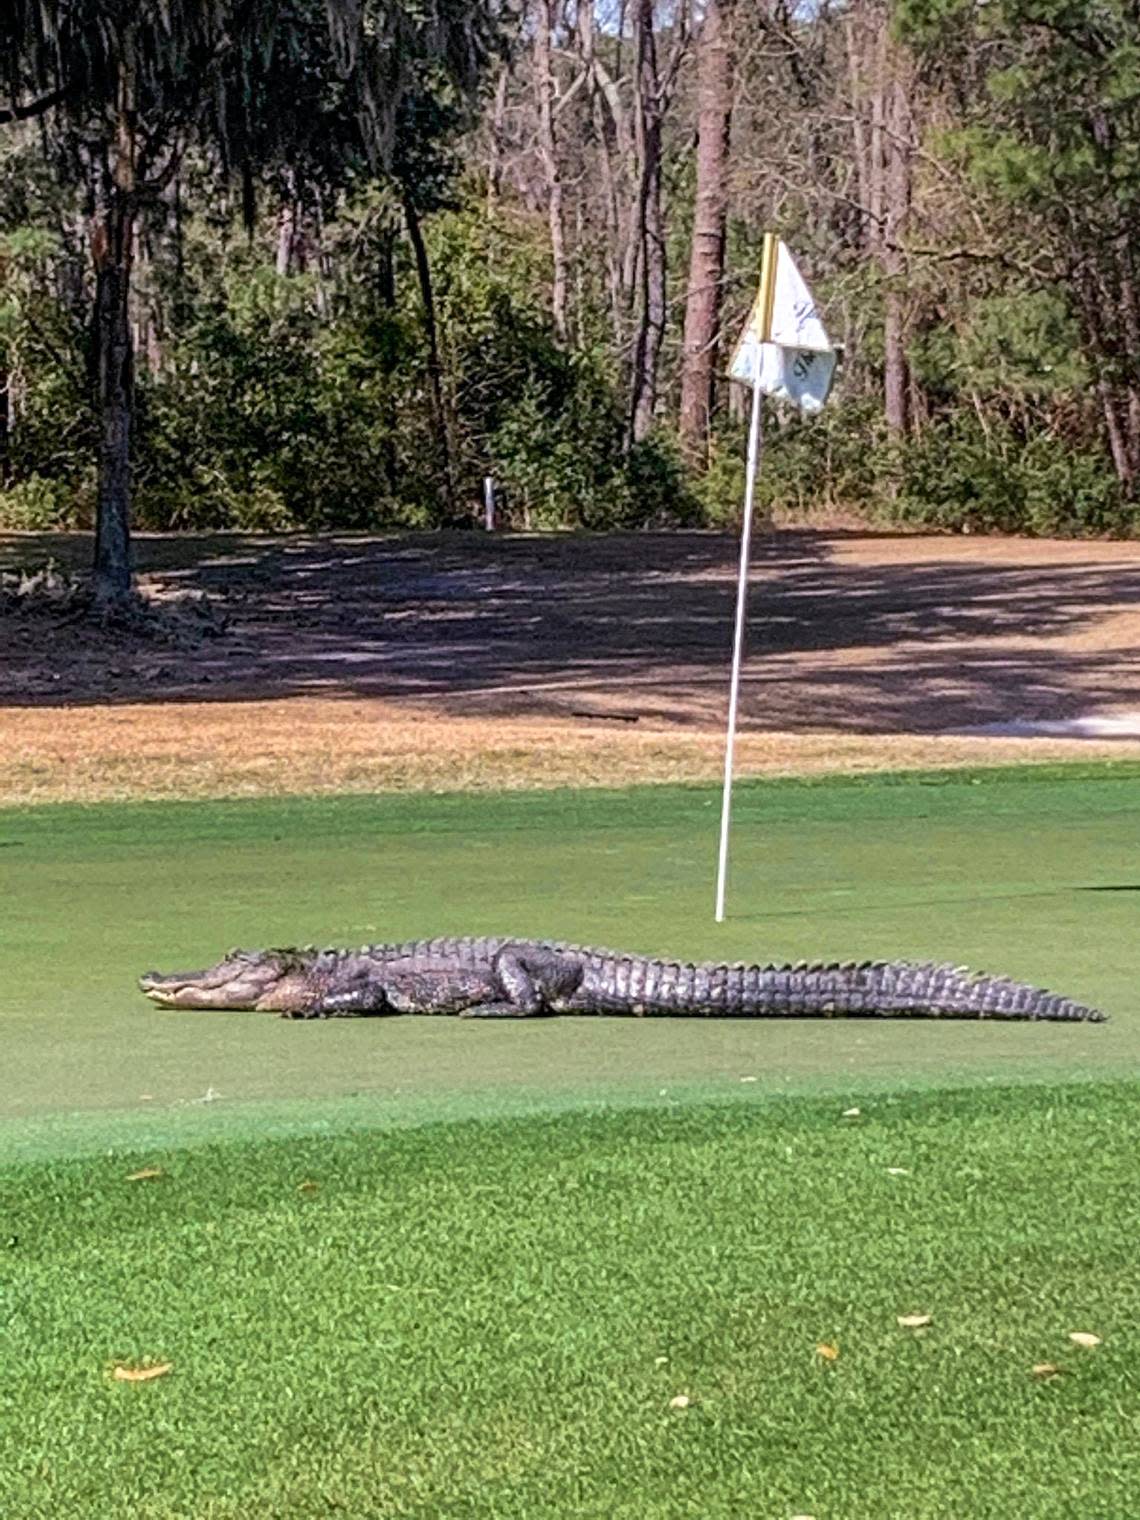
[754, 441]
[760, 328]
[784, 350]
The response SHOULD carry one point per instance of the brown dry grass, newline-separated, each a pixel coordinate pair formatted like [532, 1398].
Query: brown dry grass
[309, 745]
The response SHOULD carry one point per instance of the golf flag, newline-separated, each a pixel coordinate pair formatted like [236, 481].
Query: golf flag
[784, 348]
[783, 351]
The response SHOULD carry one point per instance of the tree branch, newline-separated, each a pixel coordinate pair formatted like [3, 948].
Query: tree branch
[34, 107]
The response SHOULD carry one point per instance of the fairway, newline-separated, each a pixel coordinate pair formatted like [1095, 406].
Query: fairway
[1033, 873]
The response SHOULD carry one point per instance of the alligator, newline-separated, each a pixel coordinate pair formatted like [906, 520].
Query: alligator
[518, 978]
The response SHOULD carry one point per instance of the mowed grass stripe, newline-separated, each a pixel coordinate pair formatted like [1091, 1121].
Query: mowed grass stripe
[491, 1319]
[1098, 789]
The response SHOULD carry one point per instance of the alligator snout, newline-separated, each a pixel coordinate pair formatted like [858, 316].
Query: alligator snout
[242, 979]
[178, 989]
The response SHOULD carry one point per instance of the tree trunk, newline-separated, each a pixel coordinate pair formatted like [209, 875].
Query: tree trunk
[877, 161]
[497, 136]
[287, 226]
[386, 286]
[1122, 460]
[604, 130]
[548, 151]
[860, 149]
[111, 237]
[706, 259]
[435, 365]
[112, 246]
[5, 428]
[650, 229]
[896, 207]
[613, 223]
[1130, 308]
[618, 155]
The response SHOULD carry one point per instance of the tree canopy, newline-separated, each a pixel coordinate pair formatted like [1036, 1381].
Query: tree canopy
[125, 90]
[296, 263]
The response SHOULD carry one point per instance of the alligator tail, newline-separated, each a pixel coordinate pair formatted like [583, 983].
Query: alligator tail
[883, 989]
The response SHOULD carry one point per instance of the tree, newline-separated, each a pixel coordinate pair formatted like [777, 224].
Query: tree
[647, 260]
[880, 85]
[710, 206]
[548, 151]
[125, 88]
[1051, 130]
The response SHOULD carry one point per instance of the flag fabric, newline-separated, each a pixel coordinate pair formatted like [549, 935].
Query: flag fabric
[796, 361]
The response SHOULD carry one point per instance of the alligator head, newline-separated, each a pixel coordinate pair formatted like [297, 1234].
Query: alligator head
[283, 981]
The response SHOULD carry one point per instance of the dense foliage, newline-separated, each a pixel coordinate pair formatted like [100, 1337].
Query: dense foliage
[282, 402]
[336, 337]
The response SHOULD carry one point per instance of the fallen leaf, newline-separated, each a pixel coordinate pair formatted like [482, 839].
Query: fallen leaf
[749, 1079]
[914, 1321]
[124, 1374]
[1084, 1338]
[829, 1352]
[147, 1173]
[898, 1171]
[679, 1401]
[660, 1361]
[851, 1113]
[308, 1187]
[1046, 1370]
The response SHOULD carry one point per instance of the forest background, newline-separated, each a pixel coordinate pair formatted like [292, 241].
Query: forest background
[284, 264]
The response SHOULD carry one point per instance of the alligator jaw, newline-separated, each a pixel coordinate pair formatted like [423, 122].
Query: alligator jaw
[245, 979]
[193, 989]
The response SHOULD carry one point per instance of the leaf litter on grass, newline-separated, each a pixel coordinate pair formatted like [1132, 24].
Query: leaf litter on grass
[123, 1372]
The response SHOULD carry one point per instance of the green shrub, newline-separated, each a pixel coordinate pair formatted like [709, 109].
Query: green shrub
[270, 418]
[808, 464]
[39, 505]
[962, 477]
[547, 421]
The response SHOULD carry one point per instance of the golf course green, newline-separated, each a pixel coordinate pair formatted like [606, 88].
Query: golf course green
[1033, 872]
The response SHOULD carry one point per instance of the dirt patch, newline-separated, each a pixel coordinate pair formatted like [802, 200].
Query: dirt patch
[449, 661]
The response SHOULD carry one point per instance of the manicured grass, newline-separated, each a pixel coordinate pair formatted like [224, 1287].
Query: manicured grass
[372, 1312]
[1031, 872]
[491, 1319]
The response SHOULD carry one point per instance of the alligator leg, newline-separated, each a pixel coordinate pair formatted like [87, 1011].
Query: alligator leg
[533, 979]
[523, 991]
